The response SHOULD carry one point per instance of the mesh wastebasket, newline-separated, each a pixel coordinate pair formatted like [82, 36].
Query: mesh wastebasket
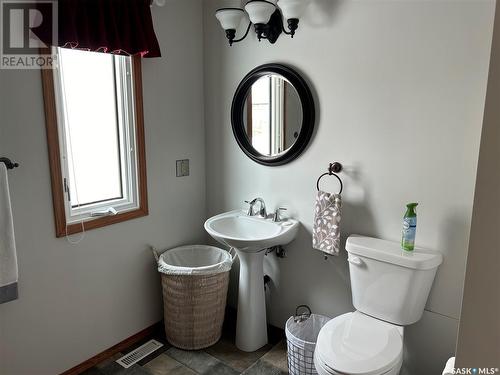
[194, 281]
[301, 333]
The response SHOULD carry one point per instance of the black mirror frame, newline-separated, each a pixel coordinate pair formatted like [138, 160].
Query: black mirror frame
[308, 114]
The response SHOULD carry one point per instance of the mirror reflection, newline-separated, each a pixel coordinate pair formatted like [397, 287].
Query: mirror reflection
[272, 115]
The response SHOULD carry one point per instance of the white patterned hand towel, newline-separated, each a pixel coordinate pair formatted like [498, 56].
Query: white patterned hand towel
[8, 258]
[326, 229]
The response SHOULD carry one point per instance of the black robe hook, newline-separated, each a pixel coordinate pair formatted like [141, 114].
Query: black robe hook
[9, 163]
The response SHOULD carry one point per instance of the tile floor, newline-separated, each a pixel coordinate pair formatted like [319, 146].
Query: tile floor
[221, 359]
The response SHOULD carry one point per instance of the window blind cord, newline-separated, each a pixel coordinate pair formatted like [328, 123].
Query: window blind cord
[70, 149]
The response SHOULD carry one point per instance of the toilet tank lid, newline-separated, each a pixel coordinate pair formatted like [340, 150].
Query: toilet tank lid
[391, 252]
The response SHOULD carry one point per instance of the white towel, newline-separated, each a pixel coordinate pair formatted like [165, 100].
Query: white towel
[450, 367]
[8, 258]
[326, 229]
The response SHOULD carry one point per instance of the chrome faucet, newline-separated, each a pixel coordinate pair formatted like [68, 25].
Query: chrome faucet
[262, 212]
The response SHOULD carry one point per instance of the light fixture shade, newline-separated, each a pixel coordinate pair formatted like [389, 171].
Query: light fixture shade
[260, 11]
[230, 18]
[292, 9]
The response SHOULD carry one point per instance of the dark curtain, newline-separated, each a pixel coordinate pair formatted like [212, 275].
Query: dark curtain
[113, 26]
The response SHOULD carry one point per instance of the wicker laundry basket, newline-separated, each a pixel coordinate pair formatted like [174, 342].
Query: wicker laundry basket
[195, 281]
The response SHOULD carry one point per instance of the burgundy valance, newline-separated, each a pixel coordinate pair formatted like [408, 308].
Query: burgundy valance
[114, 26]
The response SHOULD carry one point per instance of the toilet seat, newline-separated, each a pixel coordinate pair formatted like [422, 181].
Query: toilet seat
[357, 344]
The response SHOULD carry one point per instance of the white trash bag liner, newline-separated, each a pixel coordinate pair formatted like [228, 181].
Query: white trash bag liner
[193, 260]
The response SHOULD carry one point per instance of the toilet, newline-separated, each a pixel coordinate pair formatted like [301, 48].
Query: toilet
[389, 289]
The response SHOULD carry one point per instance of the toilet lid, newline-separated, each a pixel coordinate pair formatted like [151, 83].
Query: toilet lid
[358, 344]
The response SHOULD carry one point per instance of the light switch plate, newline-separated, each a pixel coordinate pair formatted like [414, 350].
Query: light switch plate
[182, 168]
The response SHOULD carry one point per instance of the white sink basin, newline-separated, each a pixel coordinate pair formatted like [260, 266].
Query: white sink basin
[250, 233]
[250, 236]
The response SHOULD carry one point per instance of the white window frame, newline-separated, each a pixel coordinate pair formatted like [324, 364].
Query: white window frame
[127, 139]
[277, 108]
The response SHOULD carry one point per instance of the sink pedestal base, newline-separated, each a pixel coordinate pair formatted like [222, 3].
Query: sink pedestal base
[251, 325]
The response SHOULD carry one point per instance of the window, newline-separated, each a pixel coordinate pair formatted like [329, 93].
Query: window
[267, 117]
[94, 118]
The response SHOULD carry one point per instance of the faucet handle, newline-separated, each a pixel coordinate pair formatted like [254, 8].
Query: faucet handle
[276, 216]
[250, 208]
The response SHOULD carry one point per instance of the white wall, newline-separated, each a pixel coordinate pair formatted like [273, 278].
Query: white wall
[400, 90]
[76, 301]
[479, 333]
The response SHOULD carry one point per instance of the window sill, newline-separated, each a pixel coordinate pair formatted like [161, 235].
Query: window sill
[62, 230]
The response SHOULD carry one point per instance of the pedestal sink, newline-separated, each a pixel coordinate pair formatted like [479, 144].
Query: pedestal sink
[250, 236]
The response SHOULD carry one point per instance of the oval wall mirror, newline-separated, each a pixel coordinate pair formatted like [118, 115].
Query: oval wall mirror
[272, 114]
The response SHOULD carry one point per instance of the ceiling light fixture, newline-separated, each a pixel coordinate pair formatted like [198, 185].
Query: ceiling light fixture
[266, 16]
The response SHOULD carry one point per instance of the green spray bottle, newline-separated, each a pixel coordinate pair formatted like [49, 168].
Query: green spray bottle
[409, 227]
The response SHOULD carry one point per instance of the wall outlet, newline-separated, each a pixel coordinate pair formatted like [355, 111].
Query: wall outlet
[182, 168]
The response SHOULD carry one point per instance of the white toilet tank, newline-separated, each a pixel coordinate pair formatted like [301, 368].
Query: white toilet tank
[389, 283]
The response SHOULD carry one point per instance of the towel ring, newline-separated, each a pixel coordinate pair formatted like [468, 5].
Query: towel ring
[332, 170]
